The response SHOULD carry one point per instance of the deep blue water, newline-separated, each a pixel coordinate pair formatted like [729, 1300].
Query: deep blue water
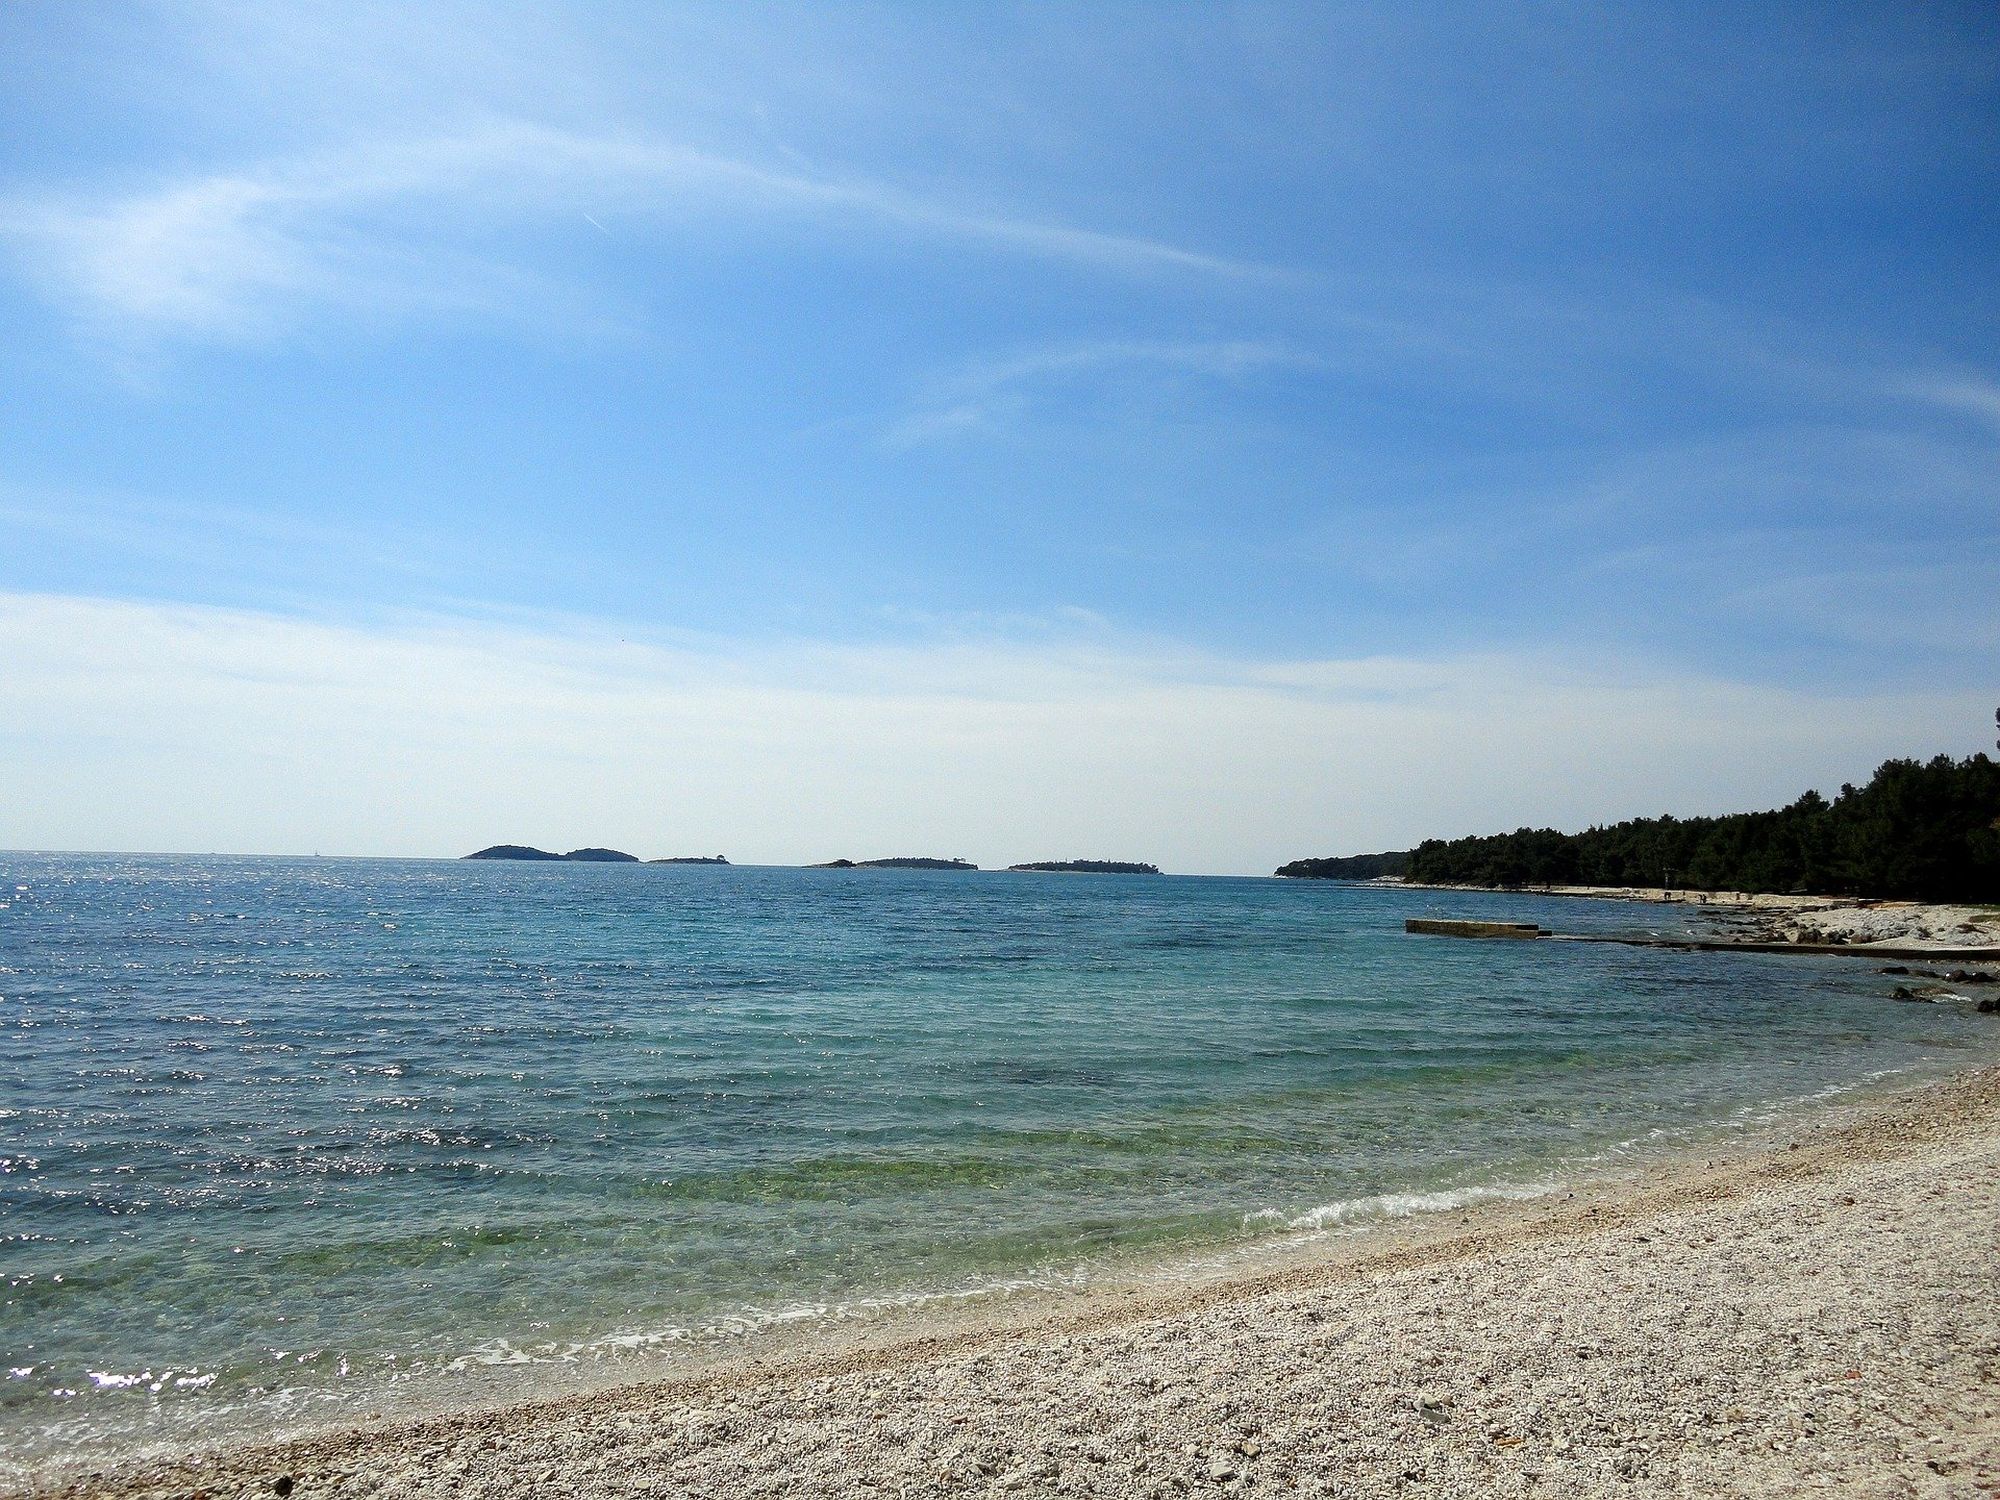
[275, 1133]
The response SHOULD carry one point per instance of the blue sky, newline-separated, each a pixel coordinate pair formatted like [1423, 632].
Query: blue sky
[1008, 366]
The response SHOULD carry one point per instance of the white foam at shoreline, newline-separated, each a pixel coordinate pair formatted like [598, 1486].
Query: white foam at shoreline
[1377, 1206]
[750, 1322]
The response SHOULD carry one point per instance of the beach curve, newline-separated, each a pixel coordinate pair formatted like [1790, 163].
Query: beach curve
[1819, 1312]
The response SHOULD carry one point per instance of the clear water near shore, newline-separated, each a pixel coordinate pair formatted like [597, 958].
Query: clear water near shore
[280, 1136]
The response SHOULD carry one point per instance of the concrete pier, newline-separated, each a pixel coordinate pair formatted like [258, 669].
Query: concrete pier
[1439, 927]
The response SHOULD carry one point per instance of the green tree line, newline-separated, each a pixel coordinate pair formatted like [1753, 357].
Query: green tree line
[1920, 830]
[1395, 862]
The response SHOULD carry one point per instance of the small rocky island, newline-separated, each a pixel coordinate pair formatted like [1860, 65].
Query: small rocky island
[1088, 867]
[690, 859]
[906, 862]
[581, 856]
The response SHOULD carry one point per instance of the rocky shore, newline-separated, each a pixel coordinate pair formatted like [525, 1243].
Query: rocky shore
[1907, 923]
[1768, 918]
[1818, 1314]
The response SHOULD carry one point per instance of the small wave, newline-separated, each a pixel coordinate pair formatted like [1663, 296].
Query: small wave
[1744, 1118]
[1353, 1211]
[200, 1019]
[751, 1321]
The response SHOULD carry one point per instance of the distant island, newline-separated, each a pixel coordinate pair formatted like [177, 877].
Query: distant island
[1088, 867]
[1918, 831]
[582, 856]
[691, 859]
[1393, 864]
[907, 862]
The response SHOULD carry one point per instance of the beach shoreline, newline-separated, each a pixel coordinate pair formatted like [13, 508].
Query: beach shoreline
[1833, 1316]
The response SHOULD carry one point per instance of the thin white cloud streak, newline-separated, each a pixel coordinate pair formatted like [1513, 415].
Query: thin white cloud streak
[153, 726]
[1942, 607]
[1212, 357]
[234, 538]
[252, 252]
[1973, 395]
[986, 392]
[239, 254]
[416, 226]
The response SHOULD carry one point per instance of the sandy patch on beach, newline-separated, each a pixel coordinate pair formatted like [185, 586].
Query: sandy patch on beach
[1823, 1315]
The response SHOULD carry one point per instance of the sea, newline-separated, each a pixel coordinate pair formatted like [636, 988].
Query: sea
[285, 1143]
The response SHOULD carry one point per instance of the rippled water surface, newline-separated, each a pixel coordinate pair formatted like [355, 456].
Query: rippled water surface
[276, 1134]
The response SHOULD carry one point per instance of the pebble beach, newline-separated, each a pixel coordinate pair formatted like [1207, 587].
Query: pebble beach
[1820, 1313]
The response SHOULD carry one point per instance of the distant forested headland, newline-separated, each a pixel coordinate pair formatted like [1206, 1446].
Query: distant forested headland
[589, 856]
[1919, 830]
[1088, 867]
[901, 862]
[1349, 866]
[580, 856]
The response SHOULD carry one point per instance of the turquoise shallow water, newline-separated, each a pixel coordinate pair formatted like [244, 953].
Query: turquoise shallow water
[278, 1134]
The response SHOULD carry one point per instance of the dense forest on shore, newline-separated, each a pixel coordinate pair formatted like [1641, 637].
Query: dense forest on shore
[1919, 830]
[1395, 863]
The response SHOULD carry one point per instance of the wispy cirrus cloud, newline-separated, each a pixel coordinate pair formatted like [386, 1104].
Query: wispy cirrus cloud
[983, 394]
[1968, 394]
[419, 223]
